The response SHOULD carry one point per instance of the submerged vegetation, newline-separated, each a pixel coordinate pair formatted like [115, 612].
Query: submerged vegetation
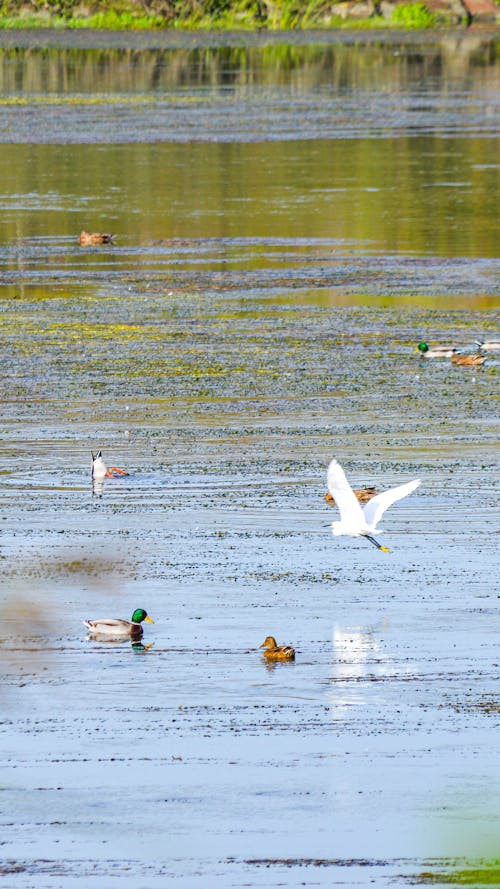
[217, 14]
[486, 874]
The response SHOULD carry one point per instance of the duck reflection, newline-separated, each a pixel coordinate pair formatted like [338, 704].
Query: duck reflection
[139, 646]
[135, 645]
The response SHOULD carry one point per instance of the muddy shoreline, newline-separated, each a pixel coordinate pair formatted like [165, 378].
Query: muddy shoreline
[50, 38]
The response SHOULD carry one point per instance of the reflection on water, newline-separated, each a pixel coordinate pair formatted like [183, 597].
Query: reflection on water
[470, 61]
[139, 647]
[354, 649]
[103, 639]
[237, 208]
[224, 95]
[234, 209]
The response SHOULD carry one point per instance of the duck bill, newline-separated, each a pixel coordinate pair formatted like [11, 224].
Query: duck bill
[149, 619]
[379, 546]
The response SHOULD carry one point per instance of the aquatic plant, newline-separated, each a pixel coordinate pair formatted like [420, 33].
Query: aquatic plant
[413, 15]
[487, 874]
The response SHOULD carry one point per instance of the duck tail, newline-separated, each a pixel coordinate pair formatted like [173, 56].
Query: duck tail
[88, 624]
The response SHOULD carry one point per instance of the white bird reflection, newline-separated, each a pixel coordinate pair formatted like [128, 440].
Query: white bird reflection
[97, 487]
[354, 648]
[357, 656]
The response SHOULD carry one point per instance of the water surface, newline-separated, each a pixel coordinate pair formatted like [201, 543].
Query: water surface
[287, 227]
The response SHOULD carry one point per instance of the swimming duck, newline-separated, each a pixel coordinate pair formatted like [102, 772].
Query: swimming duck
[468, 360]
[489, 345]
[100, 470]
[274, 652]
[363, 495]
[94, 239]
[114, 627]
[426, 351]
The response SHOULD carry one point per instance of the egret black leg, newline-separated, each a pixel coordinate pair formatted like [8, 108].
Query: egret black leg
[384, 549]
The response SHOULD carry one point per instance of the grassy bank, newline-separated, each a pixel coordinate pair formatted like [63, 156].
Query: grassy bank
[215, 14]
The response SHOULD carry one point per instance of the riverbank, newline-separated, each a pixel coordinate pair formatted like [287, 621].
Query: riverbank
[262, 17]
[469, 38]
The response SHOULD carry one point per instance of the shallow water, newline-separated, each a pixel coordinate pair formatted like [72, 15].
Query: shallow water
[255, 317]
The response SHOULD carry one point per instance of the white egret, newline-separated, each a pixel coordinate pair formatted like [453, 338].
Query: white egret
[355, 521]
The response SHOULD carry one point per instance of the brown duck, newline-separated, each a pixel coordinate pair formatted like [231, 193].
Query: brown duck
[363, 495]
[274, 652]
[468, 360]
[94, 239]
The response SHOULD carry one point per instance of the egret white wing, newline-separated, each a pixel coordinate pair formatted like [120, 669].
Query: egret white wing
[345, 498]
[376, 507]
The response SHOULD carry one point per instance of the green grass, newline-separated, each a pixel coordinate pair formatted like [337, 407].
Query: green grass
[488, 875]
[110, 21]
[119, 21]
[211, 15]
[413, 15]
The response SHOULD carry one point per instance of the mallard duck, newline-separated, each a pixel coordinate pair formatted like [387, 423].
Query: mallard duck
[114, 627]
[489, 345]
[426, 351]
[274, 652]
[101, 471]
[94, 239]
[363, 495]
[468, 360]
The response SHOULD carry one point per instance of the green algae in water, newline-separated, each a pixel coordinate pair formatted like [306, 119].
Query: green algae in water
[486, 875]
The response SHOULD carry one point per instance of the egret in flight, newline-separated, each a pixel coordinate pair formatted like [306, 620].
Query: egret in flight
[355, 521]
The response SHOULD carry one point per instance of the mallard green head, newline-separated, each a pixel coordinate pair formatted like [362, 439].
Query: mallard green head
[139, 615]
[423, 347]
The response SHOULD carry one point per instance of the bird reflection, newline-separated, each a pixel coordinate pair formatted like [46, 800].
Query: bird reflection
[354, 648]
[97, 487]
[139, 646]
[357, 656]
[135, 645]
